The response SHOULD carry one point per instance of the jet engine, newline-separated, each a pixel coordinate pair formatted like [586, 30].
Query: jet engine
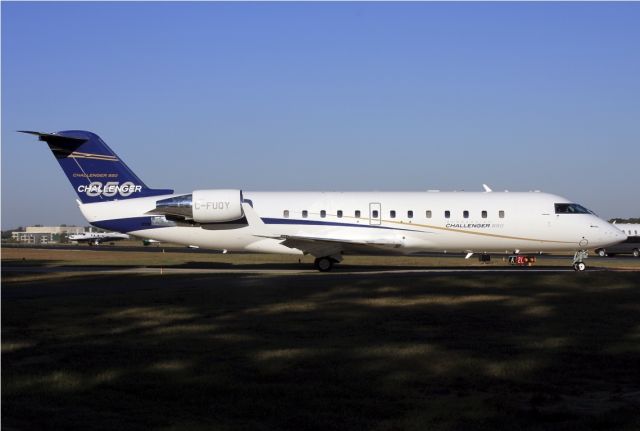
[204, 206]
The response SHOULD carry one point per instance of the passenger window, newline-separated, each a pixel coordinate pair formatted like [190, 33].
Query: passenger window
[392, 213]
[374, 214]
[501, 214]
[339, 213]
[447, 214]
[465, 214]
[323, 213]
[428, 213]
[484, 214]
[357, 213]
[305, 213]
[286, 213]
[409, 214]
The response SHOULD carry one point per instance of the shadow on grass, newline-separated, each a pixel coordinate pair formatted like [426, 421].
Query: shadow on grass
[428, 351]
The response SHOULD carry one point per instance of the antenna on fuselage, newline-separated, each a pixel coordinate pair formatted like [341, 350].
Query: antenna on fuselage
[486, 188]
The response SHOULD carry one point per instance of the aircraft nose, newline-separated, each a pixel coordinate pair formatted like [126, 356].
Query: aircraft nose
[619, 235]
[616, 234]
[610, 234]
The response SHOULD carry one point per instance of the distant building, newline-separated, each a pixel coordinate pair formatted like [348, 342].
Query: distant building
[32, 238]
[69, 230]
[44, 234]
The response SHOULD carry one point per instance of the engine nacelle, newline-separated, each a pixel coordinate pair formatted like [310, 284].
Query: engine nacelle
[215, 206]
[204, 206]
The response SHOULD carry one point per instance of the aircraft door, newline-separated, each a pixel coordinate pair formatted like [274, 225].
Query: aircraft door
[375, 213]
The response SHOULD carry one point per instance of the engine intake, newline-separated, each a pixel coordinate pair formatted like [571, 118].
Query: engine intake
[204, 206]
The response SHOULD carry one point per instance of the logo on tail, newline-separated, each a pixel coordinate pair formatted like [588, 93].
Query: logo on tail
[109, 189]
[96, 173]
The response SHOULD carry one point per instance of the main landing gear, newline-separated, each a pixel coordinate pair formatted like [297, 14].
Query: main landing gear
[325, 263]
[578, 264]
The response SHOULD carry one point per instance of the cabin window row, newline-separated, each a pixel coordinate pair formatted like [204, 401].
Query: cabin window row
[465, 214]
[393, 214]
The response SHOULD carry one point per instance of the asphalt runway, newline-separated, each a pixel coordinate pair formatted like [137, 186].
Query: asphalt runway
[242, 267]
[107, 247]
[189, 250]
[266, 271]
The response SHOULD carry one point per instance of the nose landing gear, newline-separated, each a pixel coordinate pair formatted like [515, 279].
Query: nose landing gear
[578, 264]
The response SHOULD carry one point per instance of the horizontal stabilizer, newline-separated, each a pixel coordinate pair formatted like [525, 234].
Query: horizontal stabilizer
[52, 138]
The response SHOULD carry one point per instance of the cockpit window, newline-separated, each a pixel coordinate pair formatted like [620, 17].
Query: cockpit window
[571, 209]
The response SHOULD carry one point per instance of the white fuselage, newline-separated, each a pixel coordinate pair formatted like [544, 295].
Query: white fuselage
[630, 229]
[362, 222]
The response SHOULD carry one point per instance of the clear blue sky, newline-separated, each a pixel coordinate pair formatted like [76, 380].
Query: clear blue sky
[327, 96]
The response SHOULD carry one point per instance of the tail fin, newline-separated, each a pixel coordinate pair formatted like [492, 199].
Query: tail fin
[95, 171]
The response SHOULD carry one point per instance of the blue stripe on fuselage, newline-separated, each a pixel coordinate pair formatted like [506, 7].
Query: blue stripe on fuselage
[126, 224]
[143, 223]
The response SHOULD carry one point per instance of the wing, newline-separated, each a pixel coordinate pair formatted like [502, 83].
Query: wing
[329, 246]
[333, 244]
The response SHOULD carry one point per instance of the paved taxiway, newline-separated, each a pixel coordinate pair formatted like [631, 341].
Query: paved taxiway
[32, 261]
[189, 250]
[186, 271]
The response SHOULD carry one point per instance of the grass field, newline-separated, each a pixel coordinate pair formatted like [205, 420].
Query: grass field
[316, 351]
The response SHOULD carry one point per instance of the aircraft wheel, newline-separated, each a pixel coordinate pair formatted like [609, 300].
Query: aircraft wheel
[579, 266]
[323, 264]
[602, 252]
[636, 252]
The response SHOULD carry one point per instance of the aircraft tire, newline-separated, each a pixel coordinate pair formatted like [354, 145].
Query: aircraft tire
[602, 252]
[579, 266]
[323, 264]
[636, 252]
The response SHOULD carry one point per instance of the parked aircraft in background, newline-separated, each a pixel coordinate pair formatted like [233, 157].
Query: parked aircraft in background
[630, 229]
[325, 225]
[630, 246]
[95, 238]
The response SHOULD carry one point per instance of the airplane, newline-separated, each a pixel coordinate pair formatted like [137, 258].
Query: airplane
[630, 246]
[95, 238]
[326, 225]
[631, 229]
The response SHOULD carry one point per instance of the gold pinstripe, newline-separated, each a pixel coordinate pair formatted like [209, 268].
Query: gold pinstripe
[79, 155]
[463, 231]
